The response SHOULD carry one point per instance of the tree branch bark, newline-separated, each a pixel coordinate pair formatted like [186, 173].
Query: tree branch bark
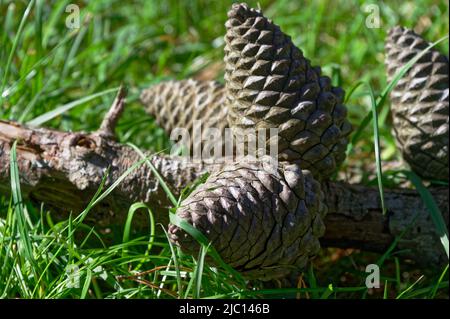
[65, 169]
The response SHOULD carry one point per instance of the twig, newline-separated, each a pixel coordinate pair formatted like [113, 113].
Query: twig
[107, 128]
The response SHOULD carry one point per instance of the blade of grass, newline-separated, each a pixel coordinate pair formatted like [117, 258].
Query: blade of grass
[189, 287]
[39, 64]
[127, 227]
[377, 147]
[87, 283]
[9, 228]
[13, 51]
[312, 281]
[199, 271]
[176, 264]
[73, 50]
[397, 273]
[55, 16]
[191, 187]
[158, 176]
[327, 293]
[424, 292]
[436, 287]
[44, 271]
[38, 121]
[38, 42]
[409, 288]
[385, 291]
[70, 240]
[108, 191]
[33, 102]
[7, 28]
[18, 207]
[352, 90]
[91, 230]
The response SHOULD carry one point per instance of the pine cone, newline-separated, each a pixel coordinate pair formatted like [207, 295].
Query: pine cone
[180, 103]
[270, 84]
[263, 224]
[419, 104]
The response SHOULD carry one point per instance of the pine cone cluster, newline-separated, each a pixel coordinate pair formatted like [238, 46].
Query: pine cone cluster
[263, 224]
[271, 84]
[419, 103]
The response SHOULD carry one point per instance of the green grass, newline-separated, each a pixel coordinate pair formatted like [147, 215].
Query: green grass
[66, 79]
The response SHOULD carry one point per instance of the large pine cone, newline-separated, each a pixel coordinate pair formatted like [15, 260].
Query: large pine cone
[179, 103]
[270, 84]
[419, 104]
[263, 224]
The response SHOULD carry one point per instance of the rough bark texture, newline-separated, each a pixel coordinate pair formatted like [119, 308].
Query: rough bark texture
[270, 84]
[64, 170]
[355, 219]
[420, 103]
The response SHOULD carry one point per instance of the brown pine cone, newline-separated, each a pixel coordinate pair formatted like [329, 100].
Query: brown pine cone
[270, 84]
[180, 103]
[419, 104]
[263, 224]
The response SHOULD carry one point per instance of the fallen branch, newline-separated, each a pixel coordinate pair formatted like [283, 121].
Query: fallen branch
[64, 170]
